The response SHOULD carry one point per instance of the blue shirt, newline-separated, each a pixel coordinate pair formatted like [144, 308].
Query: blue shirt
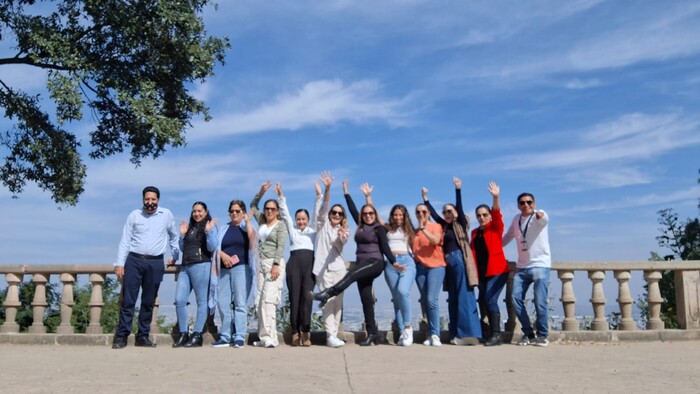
[148, 234]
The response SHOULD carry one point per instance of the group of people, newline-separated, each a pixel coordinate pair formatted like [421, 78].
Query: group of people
[438, 253]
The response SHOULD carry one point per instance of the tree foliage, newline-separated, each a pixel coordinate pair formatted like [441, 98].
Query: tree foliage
[25, 314]
[128, 62]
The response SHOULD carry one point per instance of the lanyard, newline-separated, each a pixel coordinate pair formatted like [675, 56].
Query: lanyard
[520, 224]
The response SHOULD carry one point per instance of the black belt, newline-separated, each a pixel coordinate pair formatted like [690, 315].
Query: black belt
[145, 256]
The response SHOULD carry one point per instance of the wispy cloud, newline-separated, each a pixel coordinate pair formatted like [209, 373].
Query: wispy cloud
[316, 104]
[628, 138]
[577, 83]
[651, 199]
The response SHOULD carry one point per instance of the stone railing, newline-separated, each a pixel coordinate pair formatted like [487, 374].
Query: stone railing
[687, 285]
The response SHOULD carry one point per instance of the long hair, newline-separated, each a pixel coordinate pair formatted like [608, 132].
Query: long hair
[406, 226]
[344, 220]
[207, 217]
[263, 219]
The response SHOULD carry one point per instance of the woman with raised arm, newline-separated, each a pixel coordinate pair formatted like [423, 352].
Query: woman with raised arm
[487, 246]
[329, 264]
[461, 274]
[197, 242]
[300, 281]
[400, 275]
[372, 245]
[430, 270]
[272, 234]
[233, 264]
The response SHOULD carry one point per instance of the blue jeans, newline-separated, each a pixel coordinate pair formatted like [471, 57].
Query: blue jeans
[234, 286]
[539, 276]
[429, 281]
[461, 303]
[192, 277]
[400, 283]
[490, 289]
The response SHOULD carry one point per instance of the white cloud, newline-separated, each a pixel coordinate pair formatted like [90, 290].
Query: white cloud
[628, 138]
[651, 199]
[318, 103]
[577, 83]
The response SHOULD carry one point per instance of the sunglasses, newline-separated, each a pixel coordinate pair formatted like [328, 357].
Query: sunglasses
[270, 209]
[418, 211]
[523, 202]
[337, 213]
[450, 211]
[368, 213]
[235, 211]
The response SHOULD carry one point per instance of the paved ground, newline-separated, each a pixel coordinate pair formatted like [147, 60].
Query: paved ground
[622, 367]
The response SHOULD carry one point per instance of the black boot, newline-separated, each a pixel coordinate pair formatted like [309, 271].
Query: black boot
[184, 337]
[195, 340]
[495, 323]
[371, 338]
[322, 296]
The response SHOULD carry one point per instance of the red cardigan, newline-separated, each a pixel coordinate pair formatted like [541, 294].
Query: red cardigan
[493, 236]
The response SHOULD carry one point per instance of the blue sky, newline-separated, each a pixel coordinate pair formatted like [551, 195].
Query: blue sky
[592, 106]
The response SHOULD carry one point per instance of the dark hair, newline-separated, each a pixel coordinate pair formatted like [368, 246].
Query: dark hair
[407, 225]
[302, 210]
[206, 218]
[263, 220]
[362, 222]
[525, 195]
[151, 189]
[240, 203]
[488, 209]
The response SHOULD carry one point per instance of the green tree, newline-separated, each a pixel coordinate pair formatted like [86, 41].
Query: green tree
[110, 311]
[25, 314]
[128, 62]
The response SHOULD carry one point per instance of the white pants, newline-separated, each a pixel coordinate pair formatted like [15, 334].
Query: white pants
[269, 295]
[333, 310]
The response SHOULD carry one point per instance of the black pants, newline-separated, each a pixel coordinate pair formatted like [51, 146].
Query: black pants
[144, 274]
[299, 282]
[364, 273]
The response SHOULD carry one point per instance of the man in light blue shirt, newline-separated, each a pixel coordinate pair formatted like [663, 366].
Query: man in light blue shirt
[146, 236]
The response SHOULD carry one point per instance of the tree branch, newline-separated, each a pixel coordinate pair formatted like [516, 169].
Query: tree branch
[28, 61]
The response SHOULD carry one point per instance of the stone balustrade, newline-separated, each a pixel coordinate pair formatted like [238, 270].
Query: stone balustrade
[687, 285]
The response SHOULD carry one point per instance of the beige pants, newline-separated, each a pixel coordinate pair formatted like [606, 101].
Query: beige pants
[333, 310]
[269, 295]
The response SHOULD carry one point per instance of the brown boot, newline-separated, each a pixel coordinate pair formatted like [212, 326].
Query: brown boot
[306, 339]
[295, 339]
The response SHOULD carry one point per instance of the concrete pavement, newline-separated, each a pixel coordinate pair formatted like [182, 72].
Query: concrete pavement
[612, 367]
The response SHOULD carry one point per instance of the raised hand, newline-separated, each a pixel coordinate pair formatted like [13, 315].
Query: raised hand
[184, 227]
[366, 189]
[210, 225]
[318, 189]
[345, 186]
[278, 189]
[265, 187]
[326, 179]
[424, 194]
[457, 182]
[494, 189]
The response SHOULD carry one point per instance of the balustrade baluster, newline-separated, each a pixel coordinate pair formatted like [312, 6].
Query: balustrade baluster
[39, 304]
[568, 300]
[598, 301]
[11, 303]
[96, 304]
[66, 304]
[654, 300]
[625, 300]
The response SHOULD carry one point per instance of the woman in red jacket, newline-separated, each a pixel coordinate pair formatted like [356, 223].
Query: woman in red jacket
[487, 247]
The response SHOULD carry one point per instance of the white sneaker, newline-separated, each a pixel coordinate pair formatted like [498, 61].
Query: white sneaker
[264, 342]
[434, 340]
[426, 342]
[407, 337]
[334, 342]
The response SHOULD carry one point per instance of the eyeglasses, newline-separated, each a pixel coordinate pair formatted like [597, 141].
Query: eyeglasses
[369, 213]
[450, 211]
[418, 211]
[270, 209]
[235, 211]
[523, 202]
[336, 213]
